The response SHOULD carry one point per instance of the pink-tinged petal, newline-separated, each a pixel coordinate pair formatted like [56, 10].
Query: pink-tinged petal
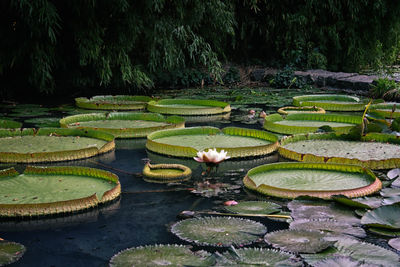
[230, 203]
[198, 159]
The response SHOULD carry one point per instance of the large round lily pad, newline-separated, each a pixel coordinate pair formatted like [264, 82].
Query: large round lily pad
[374, 151]
[188, 107]
[161, 255]
[52, 190]
[52, 144]
[305, 241]
[291, 110]
[219, 231]
[308, 123]
[330, 102]
[123, 124]
[10, 124]
[10, 252]
[293, 179]
[254, 207]
[238, 142]
[113, 102]
[388, 110]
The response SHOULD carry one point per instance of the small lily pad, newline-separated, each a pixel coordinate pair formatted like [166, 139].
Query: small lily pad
[44, 122]
[219, 231]
[328, 226]
[166, 173]
[341, 261]
[360, 202]
[305, 241]
[10, 252]
[254, 207]
[161, 255]
[394, 173]
[384, 217]
[384, 232]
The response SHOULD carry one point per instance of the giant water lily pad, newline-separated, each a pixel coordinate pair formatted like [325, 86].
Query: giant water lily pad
[305, 241]
[237, 142]
[188, 107]
[10, 124]
[308, 123]
[52, 144]
[330, 102]
[254, 207]
[385, 217]
[257, 257]
[366, 252]
[52, 190]
[219, 231]
[387, 110]
[374, 151]
[116, 102]
[123, 124]
[161, 255]
[291, 110]
[292, 179]
[10, 252]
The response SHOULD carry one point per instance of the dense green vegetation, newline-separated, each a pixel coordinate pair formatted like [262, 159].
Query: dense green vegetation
[62, 47]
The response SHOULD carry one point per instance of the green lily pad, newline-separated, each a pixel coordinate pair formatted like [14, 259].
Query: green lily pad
[360, 202]
[312, 209]
[254, 207]
[166, 173]
[52, 144]
[123, 124]
[257, 257]
[384, 232]
[330, 102]
[293, 179]
[237, 142]
[374, 151]
[188, 107]
[10, 252]
[385, 217]
[161, 255]
[308, 123]
[219, 231]
[387, 110]
[305, 241]
[51, 190]
[44, 122]
[110, 102]
[328, 226]
[292, 110]
[341, 261]
[361, 251]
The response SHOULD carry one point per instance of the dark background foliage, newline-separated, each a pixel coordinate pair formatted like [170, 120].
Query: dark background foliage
[86, 47]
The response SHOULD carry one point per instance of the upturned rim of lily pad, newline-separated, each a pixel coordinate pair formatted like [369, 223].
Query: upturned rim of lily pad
[108, 102]
[209, 107]
[164, 175]
[305, 109]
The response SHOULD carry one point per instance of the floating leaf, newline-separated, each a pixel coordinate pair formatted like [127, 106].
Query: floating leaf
[360, 202]
[384, 232]
[10, 252]
[188, 107]
[44, 122]
[394, 173]
[311, 209]
[305, 241]
[166, 173]
[109, 102]
[254, 207]
[343, 261]
[257, 257]
[293, 179]
[161, 255]
[361, 251]
[385, 217]
[395, 243]
[328, 226]
[219, 231]
[330, 102]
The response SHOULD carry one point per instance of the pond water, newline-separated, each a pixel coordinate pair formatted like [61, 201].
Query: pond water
[144, 212]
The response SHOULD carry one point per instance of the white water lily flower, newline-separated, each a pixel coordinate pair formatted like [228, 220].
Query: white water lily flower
[211, 156]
